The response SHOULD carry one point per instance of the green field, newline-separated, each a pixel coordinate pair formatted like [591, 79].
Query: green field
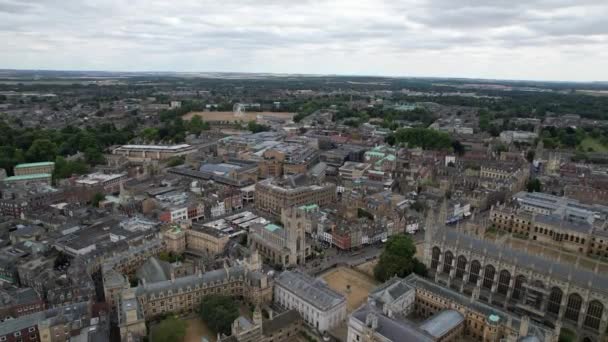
[589, 142]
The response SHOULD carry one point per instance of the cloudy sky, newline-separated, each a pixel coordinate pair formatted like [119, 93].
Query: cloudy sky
[511, 39]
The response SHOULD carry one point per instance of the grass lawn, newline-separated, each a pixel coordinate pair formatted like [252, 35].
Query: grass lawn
[589, 142]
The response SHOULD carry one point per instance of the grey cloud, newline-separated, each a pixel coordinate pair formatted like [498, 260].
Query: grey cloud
[372, 29]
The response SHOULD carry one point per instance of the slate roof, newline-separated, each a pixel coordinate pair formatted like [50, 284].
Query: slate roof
[579, 276]
[392, 329]
[154, 270]
[442, 323]
[314, 291]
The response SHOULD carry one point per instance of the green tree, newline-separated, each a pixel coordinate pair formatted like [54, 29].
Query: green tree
[196, 125]
[170, 329]
[534, 185]
[530, 156]
[41, 150]
[256, 127]
[65, 168]
[219, 312]
[98, 197]
[398, 259]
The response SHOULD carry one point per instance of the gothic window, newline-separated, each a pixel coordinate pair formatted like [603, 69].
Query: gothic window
[555, 300]
[503, 282]
[488, 276]
[474, 272]
[573, 307]
[594, 314]
[461, 265]
[447, 262]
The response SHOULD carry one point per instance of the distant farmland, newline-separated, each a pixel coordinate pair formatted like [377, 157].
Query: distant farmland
[246, 117]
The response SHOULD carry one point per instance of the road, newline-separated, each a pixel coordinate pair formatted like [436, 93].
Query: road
[355, 257]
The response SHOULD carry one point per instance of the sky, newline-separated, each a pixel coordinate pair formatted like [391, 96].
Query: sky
[561, 40]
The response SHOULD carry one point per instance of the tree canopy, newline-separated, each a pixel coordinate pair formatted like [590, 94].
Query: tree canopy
[219, 312]
[423, 137]
[398, 259]
[169, 330]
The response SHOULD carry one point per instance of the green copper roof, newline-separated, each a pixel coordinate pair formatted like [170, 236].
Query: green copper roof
[272, 227]
[27, 177]
[21, 166]
[308, 207]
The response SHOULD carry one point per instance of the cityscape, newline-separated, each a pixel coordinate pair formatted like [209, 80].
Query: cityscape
[371, 194]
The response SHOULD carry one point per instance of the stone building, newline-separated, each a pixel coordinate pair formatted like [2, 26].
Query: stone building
[280, 328]
[205, 240]
[546, 290]
[320, 306]
[34, 168]
[286, 245]
[443, 314]
[271, 195]
[184, 294]
[139, 153]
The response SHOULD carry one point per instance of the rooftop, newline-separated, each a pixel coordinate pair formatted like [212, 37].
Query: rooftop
[315, 291]
[28, 177]
[21, 166]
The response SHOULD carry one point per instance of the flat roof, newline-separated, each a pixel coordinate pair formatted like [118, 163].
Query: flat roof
[272, 227]
[156, 147]
[27, 177]
[20, 166]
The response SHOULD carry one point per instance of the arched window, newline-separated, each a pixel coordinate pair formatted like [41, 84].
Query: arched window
[474, 272]
[518, 288]
[488, 276]
[594, 314]
[435, 258]
[503, 282]
[573, 307]
[447, 262]
[555, 300]
[539, 297]
[461, 265]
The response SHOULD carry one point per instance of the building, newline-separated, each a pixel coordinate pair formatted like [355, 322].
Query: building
[52, 325]
[321, 307]
[34, 168]
[17, 302]
[205, 240]
[184, 294]
[547, 290]
[282, 327]
[416, 309]
[286, 246]
[108, 183]
[524, 137]
[353, 170]
[175, 240]
[272, 196]
[139, 153]
[38, 178]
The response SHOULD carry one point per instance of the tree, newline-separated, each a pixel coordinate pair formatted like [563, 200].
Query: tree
[458, 147]
[98, 197]
[397, 259]
[41, 150]
[255, 127]
[534, 185]
[197, 125]
[530, 156]
[169, 330]
[65, 168]
[219, 312]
